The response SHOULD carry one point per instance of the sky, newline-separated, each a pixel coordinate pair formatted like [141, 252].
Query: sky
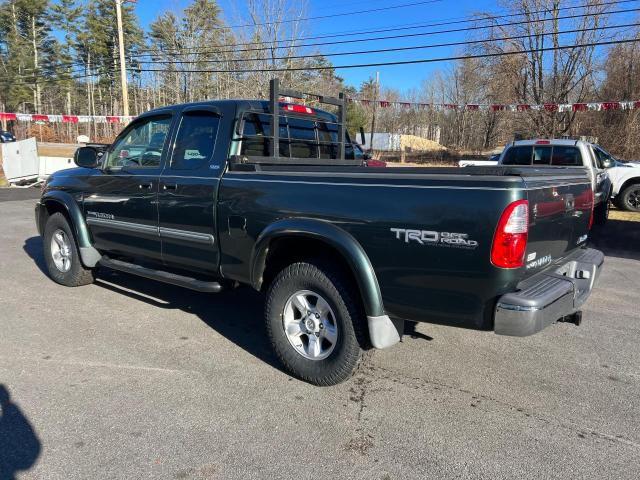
[403, 78]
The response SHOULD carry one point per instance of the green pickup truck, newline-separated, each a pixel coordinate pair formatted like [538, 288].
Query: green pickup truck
[210, 195]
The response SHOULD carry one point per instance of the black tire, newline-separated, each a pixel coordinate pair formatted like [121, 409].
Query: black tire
[601, 214]
[629, 198]
[328, 281]
[76, 274]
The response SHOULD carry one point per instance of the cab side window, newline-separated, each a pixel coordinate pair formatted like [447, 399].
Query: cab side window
[195, 140]
[142, 144]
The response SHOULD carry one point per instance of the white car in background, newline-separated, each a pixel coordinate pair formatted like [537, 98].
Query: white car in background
[625, 180]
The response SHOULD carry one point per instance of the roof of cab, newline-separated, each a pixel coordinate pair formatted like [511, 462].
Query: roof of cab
[243, 105]
[548, 141]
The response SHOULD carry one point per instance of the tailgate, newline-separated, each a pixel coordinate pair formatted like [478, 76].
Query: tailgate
[560, 206]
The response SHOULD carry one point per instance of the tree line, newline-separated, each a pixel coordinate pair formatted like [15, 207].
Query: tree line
[62, 57]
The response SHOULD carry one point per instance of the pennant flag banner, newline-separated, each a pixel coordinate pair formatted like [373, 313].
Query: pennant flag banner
[521, 107]
[438, 107]
[33, 117]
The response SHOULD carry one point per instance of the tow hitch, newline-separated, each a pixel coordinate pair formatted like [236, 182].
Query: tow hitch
[575, 318]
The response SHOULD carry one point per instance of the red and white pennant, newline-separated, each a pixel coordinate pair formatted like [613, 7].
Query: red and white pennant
[34, 117]
[514, 107]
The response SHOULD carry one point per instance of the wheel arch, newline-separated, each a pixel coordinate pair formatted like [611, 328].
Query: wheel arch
[291, 239]
[627, 182]
[59, 201]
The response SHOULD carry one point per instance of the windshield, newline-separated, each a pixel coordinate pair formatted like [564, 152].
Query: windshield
[602, 153]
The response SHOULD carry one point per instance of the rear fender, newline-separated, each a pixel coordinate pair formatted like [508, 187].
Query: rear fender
[382, 331]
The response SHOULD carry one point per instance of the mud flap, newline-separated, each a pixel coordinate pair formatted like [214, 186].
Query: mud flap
[384, 332]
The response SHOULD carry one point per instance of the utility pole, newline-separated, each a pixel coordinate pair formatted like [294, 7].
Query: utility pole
[375, 107]
[3, 121]
[123, 67]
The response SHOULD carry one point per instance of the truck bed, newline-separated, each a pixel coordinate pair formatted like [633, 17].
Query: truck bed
[454, 284]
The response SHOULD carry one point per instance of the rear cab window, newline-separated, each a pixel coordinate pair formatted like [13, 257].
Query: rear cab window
[298, 137]
[559, 155]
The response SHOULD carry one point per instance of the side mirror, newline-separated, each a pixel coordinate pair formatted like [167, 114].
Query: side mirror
[367, 156]
[607, 163]
[86, 157]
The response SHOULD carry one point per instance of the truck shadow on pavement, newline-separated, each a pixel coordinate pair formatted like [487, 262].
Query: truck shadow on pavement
[19, 444]
[235, 314]
[33, 247]
[618, 238]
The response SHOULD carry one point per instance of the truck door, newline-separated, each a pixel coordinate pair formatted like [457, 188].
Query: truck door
[188, 190]
[603, 182]
[120, 203]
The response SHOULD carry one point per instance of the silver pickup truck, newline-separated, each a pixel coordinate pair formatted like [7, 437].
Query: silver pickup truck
[561, 153]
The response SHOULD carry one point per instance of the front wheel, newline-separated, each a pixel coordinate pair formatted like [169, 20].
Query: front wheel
[629, 198]
[61, 254]
[315, 322]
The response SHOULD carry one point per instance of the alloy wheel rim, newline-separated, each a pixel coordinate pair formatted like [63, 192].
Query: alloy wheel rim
[61, 250]
[310, 325]
[634, 198]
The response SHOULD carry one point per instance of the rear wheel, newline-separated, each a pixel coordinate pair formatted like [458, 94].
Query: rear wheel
[61, 254]
[629, 198]
[314, 322]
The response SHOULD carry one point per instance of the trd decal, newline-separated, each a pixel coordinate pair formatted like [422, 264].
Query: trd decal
[430, 237]
[108, 216]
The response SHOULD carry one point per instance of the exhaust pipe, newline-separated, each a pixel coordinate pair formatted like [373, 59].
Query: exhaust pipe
[575, 318]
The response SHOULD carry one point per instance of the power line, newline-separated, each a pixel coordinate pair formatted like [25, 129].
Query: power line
[378, 38]
[385, 30]
[134, 57]
[413, 62]
[408, 62]
[360, 52]
[333, 15]
[393, 49]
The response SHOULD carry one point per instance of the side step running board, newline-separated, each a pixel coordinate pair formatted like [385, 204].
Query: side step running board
[161, 276]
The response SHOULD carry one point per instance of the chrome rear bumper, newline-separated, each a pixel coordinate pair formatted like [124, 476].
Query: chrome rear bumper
[548, 296]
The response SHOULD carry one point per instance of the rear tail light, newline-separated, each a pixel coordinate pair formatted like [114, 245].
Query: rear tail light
[510, 240]
[593, 206]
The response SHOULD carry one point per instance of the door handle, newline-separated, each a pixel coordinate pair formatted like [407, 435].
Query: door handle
[146, 185]
[170, 186]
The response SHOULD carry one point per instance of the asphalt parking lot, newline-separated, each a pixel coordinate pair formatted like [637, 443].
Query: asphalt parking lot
[128, 378]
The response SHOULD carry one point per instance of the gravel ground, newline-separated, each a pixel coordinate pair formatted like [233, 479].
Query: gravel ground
[128, 378]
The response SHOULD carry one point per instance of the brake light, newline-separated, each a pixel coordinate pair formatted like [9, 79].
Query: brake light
[543, 142]
[510, 240]
[298, 109]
